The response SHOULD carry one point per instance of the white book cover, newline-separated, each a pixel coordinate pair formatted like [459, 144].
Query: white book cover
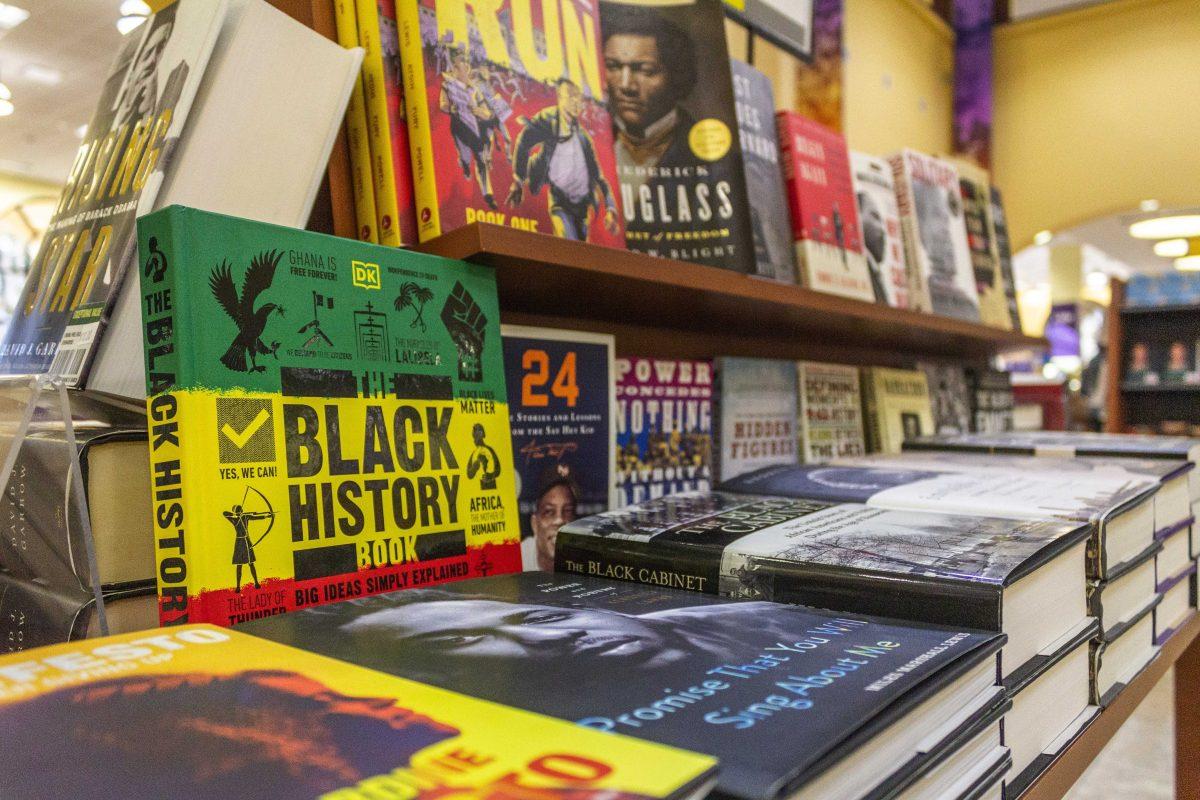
[757, 402]
[931, 209]
[883, 238]
[256, 146]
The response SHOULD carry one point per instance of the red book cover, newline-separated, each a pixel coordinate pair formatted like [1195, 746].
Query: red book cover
[821, 199]
[507, 118]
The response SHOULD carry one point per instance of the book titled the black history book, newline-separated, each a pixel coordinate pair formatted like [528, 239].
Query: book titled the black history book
[679, 159]
[937, 568]
[794, 701]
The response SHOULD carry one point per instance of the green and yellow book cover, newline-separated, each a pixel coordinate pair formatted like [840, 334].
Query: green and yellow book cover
[328, 418]
[201, 712]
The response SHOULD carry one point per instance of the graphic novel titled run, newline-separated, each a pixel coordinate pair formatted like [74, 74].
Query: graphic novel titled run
[330, 418]
[507, 118]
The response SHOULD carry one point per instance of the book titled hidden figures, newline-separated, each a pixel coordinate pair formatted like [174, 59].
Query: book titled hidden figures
[756, 410]
[328, 418]
[506, 118]
[679, 160]
[200, 712]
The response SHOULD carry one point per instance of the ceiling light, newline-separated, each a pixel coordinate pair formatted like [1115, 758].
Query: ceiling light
[11, 16]
[127, 24]
[1182, 225]
[1096, 280]
[1149, 206]
[81, 131]
[6, 104]
[132, 8]
[1042, 237]
[1171, 248]
[37, 73]
[1188, 264]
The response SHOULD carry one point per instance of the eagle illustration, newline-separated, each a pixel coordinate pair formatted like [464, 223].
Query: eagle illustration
[250, 321]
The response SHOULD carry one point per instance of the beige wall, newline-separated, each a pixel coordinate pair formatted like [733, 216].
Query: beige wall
[1097, 110]
[898, 76]
[14, 190]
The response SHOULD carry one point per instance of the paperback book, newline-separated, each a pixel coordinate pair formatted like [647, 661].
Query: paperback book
[975, 189]
[664, 427]
[201, 712]
[896, 407]
[756, 409]
[935, 234]
[1004, 256]
[755, 100]
[675, 125]
[561, 385]
[830, 418]
[882, 236]
[992, 400]
[507, 119]
[328, 418]
[828, 240]
[949, 397]
[790, 699]
[118, 170]
[947, 569]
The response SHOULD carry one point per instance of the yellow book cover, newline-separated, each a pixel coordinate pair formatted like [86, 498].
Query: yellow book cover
[329, 418]
[201, 712]
[897, 407]
[370, 32]
[362, 182]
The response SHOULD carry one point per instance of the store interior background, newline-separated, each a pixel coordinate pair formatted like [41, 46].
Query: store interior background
[1094, 127]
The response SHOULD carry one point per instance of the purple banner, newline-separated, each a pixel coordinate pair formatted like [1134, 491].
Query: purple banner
[973, 80]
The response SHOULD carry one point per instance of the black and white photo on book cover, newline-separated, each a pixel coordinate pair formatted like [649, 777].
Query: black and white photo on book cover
[115, 177]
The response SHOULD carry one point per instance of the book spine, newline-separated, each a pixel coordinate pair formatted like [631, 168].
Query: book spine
[34, 615]
[871, 422]
[378, 129]
[918, 289]
[424, 175]
[650, 563]
[356, 131]
[166, 307]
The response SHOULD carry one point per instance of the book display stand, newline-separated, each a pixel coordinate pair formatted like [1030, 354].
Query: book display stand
[48, 567]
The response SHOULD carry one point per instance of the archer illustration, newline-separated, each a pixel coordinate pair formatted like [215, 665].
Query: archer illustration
[415, 296]
[251, 321]
[243, 547]
[483, 460]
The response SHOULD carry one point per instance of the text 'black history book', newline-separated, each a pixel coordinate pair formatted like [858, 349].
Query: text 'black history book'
[795, 702]
[944, 569]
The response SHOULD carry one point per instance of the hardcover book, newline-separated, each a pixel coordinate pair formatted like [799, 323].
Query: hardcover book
[756, 410]
[675, 125]
[328, 418]
[882, 237]
[828, 240]
[992, 402]
[935, 234]
[200, 712]
[1004, 257]
[790, 699]
[664, 427]
[561, 385]
[506, 118]
[118, 170]
[755, 100]
[978, 572]
[975, 188]
[1120, 658]
[387, 130]
[896, 407]
[949, 396]
[830, 418]
[1121, 515]
[1125, 593]
[362, 181]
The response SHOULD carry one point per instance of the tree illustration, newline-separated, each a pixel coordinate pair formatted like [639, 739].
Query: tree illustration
[414, 296]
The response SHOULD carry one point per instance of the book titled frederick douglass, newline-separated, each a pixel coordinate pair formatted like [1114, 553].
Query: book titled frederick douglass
[1120, 514]
[896, 407]
[664, 427]
[506, 118]
[980, 572]
[935, 233]
[116, 175]
[756, 410]
[328, 418]
[679, 157]
[830, 416]
[560, 385]
[755, 99]
[795, 702]
[883, 238]
[828, 240]
[201, 712]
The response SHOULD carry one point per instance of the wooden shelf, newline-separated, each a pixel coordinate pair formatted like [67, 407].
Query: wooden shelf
[1066, 769]
[1133, 311]
[1162, 387]
[658, 306]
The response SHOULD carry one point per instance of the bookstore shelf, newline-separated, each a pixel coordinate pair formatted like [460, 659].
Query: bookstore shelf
[1180, 651]
[639, 297]
[1171, 387]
